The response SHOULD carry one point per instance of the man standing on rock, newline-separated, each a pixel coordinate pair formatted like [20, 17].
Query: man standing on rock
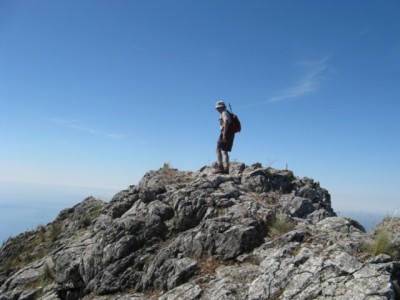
[225, 140]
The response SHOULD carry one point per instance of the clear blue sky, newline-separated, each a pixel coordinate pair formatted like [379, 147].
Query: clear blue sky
[95, 93]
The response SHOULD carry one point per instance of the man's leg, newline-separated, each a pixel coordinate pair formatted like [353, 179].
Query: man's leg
[219, 160]
[226, 159]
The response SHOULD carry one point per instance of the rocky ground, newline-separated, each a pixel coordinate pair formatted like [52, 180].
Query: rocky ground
[258, 233]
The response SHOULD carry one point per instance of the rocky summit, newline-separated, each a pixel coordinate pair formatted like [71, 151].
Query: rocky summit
[257, 233]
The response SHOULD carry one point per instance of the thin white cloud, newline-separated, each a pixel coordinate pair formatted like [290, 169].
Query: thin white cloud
[307, 83]
[76, 124]
[127, 45]
[115, 136]
[83, 128]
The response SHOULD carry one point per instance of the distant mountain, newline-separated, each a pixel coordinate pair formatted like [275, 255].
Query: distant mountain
[258, 233]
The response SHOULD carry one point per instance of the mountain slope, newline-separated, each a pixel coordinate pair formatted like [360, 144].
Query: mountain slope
[258, 233]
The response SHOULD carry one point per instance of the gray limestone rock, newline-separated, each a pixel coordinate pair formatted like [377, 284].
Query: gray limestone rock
[200, 235]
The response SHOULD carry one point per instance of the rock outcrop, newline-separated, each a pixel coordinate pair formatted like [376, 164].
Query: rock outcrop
[258, 233]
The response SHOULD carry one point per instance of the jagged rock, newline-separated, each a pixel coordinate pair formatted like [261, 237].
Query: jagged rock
[188, 291]
[121, 202]
[185, 235]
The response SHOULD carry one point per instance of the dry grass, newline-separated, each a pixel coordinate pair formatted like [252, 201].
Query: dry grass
[280, 225]
[383, 239]
[382, 244]
[208, 265]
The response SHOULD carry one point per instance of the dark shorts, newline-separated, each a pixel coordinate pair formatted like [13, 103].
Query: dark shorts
[226, 146]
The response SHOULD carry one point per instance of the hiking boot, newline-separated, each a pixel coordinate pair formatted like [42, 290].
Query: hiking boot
[219, 170]
[226, 171]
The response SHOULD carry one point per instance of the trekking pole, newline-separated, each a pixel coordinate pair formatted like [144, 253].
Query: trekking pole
[230, 108]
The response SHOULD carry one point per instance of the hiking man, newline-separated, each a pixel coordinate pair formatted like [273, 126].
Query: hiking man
[225, 140]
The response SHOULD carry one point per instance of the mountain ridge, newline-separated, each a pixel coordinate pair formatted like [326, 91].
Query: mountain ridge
[258, 233]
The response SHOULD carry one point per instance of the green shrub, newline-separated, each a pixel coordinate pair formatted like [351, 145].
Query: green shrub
[30, 247]
[55, 231]
[280, 225]
[92, 216]
[86, 221]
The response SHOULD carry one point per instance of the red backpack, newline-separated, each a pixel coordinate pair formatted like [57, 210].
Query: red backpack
[235, 125]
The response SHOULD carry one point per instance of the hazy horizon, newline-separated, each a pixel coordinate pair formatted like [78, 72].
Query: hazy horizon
[24, 209]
